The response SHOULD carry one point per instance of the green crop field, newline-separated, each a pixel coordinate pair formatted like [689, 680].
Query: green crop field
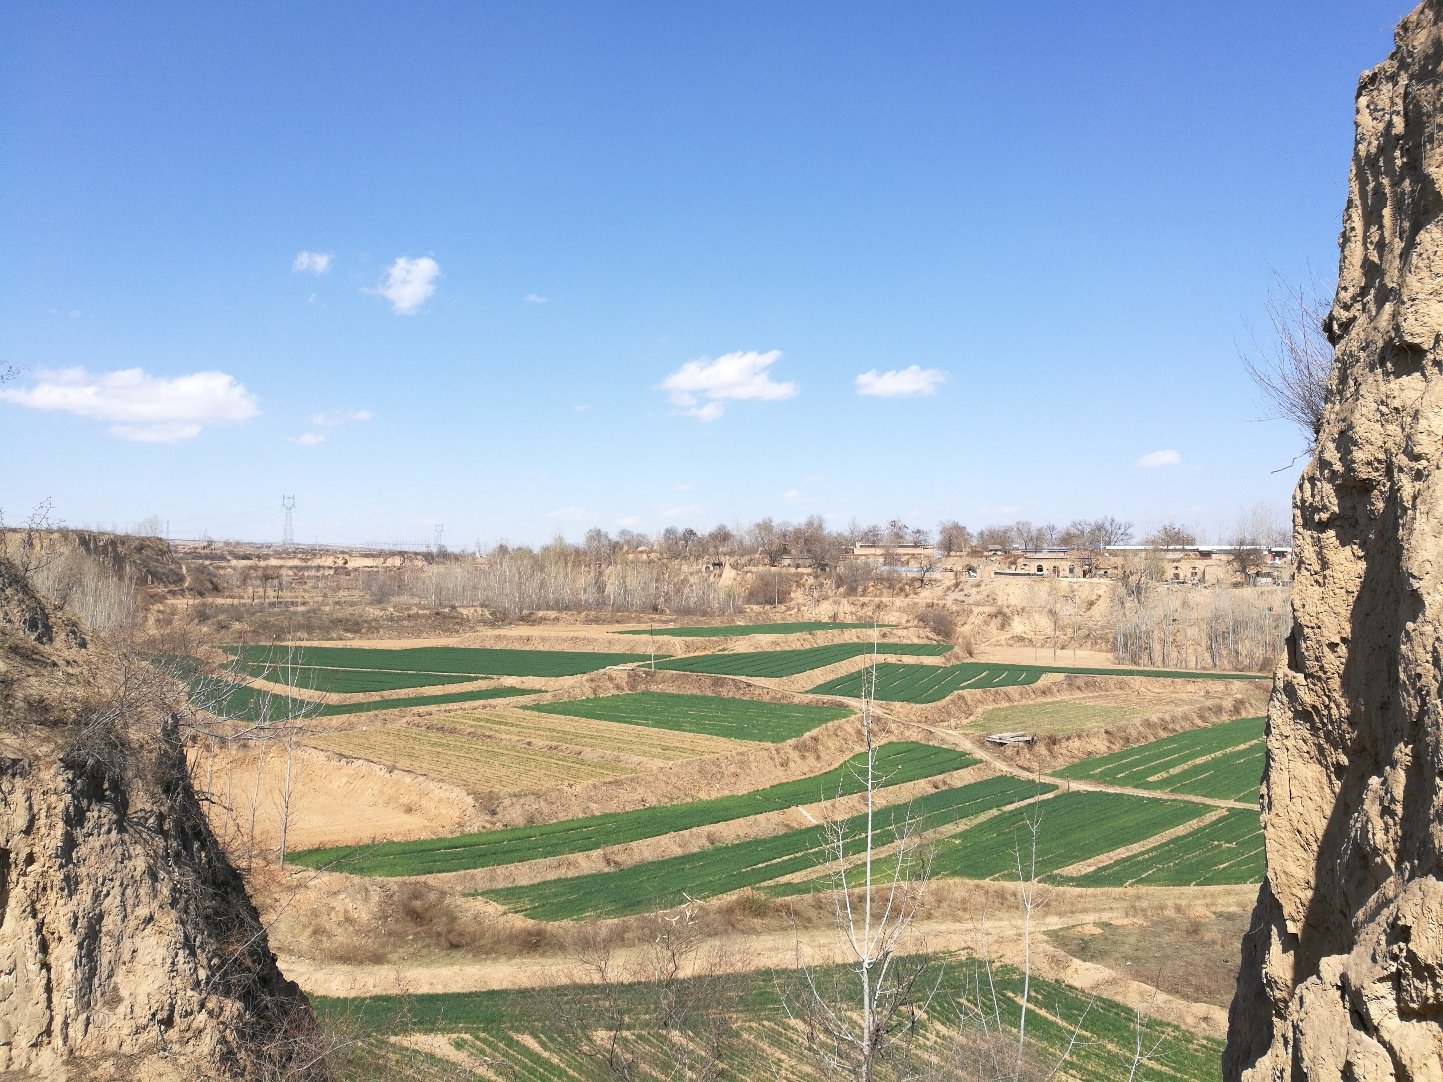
[899, 682]
[529, 1035]
[444, 660]
[661, 884]
[1057, 716]
[720, 631]
[903, 683]
[1227, 850]
[714, 715]
[346, 681]
[1220, 761]
[792, 662]
[1071, 827]
[899, 763]
[240, 702]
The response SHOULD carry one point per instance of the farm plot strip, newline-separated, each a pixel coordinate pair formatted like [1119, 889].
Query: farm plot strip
[476, 765]
[714, 715]
[1220, 761]
[530, 1034]
[241, 702]
[720, 631]
[791, 662]
[1070, 828]
[899, 682]
[446, 660]
[899, 763]
[661, 884]
[347, 681]
[660, 745]
[1228, 850]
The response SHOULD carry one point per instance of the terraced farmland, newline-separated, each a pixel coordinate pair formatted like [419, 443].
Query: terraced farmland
[776, 663]
[346, 681]
[1224, 762]
[522, 1034]
[720, 631]
[899, 682]
[1058, 716]
[443, 660]
[475, 695]
[899, 763]
[1072, 827]
[715, 715]
[241, 702]
[519, 724]
[661, 884]
[476, 765]
[1227, 850]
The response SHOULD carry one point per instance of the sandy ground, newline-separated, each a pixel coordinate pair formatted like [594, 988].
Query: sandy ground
[333, 800]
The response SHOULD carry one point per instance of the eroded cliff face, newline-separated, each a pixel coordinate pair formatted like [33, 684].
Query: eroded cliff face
[1343, 971]
[128, 946]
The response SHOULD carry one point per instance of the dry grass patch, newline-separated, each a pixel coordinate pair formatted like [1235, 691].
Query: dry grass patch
[660, 745]
[474, 762]
[1193, 956]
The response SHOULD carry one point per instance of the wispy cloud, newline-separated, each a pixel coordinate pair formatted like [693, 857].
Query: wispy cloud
[308, 262]
[145, 408]
[701, 387]
[912, 381]
[1000, 509]
[681, 511]
[581, 407]
[629, 521]
[409, 284]
[793, 495]
[534, 298]
[1155, 459]
[330, 419]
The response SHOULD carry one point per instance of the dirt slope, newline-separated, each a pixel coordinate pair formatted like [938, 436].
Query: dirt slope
[1344, 978]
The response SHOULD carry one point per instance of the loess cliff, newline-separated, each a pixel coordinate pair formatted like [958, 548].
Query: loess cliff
[1343, 971]
[128, 946]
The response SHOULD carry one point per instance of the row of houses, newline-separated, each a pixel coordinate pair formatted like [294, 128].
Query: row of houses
[1204, 565]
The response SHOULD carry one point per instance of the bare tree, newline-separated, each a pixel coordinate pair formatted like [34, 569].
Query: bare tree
[854, 1022]
[953, 537]
[1293, 370]
[1172, 535]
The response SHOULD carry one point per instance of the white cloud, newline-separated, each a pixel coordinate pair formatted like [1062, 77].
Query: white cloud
[685, 486]
[582, 408]
[309, 439]
[732, 376]
[1159, 458]
[1000, 509]
[903, 382]
[409, 284]
[146, 409]
[792, 495]
[337, 418]
[681, 511]
[629, 521]
[534, 298]
[308, 262]
[572, 514]
[709, 412]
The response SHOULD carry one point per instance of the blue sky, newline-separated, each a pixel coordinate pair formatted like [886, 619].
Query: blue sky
[521, 268]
